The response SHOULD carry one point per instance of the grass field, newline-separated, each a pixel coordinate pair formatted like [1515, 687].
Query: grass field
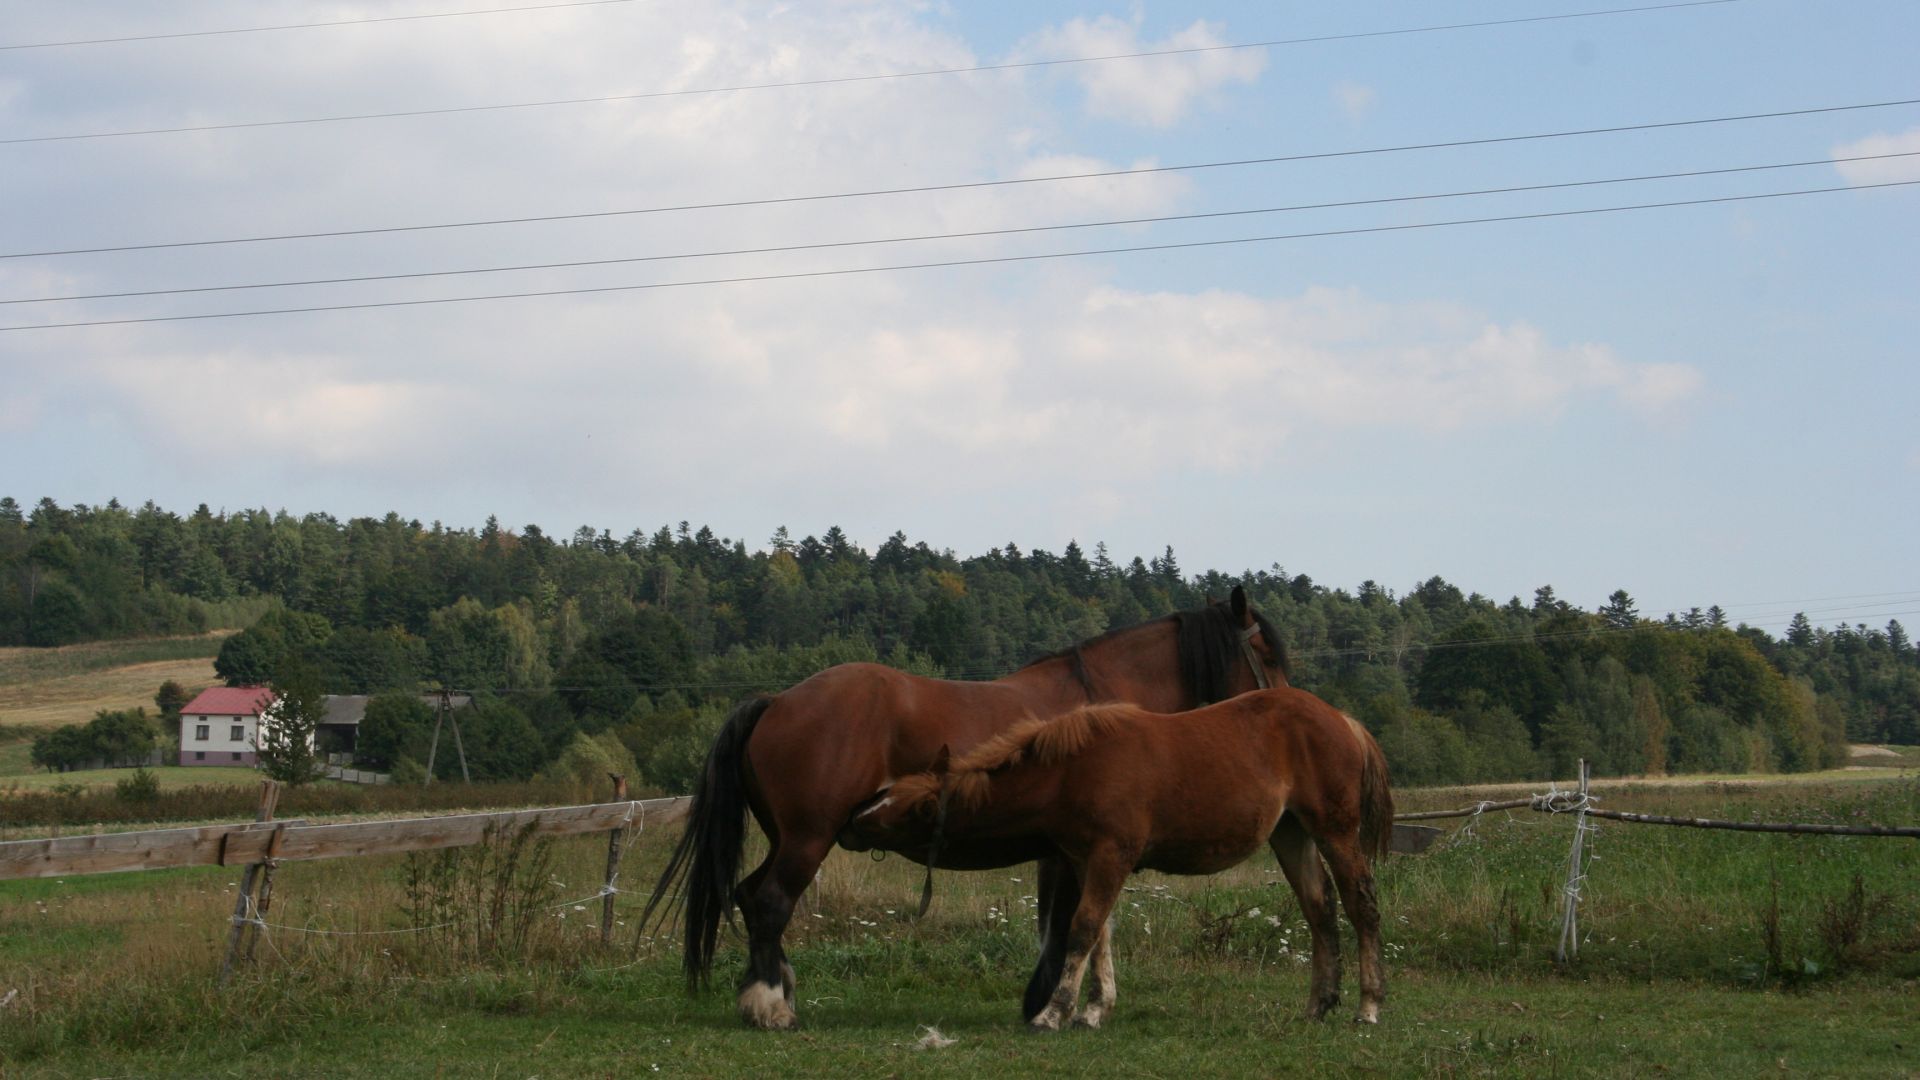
[169, 777]
[45, 688]
[1703, 954]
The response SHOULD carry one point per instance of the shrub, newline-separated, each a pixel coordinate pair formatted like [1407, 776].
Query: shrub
[141, 787]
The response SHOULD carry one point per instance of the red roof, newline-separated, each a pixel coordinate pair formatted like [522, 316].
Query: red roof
[230, 701]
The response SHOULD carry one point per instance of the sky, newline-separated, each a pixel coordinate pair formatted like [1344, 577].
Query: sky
[1702, 404]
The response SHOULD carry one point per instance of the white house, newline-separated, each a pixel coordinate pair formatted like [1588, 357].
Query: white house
[222, 725]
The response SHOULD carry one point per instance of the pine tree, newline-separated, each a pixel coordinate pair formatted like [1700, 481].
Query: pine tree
[1618, 612]
[284, 746]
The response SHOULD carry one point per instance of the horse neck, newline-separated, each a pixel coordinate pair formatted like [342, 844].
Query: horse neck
[1140, 665]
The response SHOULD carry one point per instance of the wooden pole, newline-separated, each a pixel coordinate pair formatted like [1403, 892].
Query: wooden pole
[1761, 826]
[433, 748]
[1570, 914]
[267, 867]
[447, 696]
[616, 841]
[1428, 815]
[242, 916]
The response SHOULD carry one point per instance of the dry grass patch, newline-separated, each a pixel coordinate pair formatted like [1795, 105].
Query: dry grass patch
[50, 702]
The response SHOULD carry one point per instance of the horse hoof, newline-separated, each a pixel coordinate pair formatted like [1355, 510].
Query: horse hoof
[765, 1006]
[1090, 1022]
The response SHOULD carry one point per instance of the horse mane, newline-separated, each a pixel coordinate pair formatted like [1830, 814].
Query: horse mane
[1209, 644]
[968, 780]
[1209, 651]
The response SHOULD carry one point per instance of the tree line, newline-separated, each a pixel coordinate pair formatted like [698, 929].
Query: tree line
[593, 650]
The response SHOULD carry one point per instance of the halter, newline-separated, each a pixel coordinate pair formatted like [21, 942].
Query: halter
[1253, 659]
[933, 849]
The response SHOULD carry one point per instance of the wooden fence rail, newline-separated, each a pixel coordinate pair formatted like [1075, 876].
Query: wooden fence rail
[242, 844]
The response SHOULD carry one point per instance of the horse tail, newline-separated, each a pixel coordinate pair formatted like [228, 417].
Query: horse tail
[1376, 799]
[706, 861]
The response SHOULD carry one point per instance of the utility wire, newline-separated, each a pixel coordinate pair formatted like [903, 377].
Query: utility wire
[968, 235]
[311, 25]
[736, 204]
[946, 263]
[844, 79]
[975, 673]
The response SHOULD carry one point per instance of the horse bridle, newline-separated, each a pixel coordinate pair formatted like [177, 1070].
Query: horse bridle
[1253, 658]
[933, 849]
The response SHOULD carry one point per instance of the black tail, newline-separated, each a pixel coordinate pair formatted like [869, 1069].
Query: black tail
[1059, 896]
[706, 861]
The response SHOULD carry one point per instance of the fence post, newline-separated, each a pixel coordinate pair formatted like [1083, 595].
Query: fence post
[1570, 918]
[616, 840]
[242, 920]
[267, 866]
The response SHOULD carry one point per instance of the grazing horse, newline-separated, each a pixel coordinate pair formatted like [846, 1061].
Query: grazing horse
[1114, 789]
[802, 760]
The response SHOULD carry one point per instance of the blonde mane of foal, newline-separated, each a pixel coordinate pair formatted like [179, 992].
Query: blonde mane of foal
[1031, 741]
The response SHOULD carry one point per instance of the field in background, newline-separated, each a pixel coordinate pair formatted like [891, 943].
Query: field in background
[168, 776]
[45, 688]
[1722, 952]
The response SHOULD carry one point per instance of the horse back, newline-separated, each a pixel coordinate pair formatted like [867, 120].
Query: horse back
[836, 738]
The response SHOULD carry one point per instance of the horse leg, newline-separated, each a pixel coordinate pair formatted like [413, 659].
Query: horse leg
[1301, 863]
[1058, 895]
[766, 899]
[1355, 876]
[1100, 998]
[1100, 880]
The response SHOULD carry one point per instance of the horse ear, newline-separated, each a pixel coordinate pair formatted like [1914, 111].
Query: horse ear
[1242, 614]
[942, 761]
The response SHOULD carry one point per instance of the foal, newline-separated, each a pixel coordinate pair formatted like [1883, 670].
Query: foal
[1116, 789]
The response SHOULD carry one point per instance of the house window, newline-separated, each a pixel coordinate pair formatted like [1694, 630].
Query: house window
[199, 755]
[239, 733]
[236, 757]
[200, 732]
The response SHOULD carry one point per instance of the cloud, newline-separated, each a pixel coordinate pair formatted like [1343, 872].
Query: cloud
[301, 410]
[1151, 91]
[1355, 99]
[1051, 385]
[1884, 171]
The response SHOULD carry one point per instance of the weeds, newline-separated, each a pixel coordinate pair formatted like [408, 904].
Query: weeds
[481, 904]
[1844, 923]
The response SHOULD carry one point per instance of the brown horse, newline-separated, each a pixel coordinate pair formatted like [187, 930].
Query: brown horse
[802, 760]
[1114, 789]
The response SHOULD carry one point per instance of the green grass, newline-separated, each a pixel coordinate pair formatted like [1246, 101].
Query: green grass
[170, 777]
[1676, 975]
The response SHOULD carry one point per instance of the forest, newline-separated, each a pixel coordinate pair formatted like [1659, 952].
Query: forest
[593, 650]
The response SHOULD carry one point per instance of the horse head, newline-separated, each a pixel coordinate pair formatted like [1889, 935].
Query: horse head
[902, 814]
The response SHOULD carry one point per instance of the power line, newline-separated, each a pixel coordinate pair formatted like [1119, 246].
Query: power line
[973, 672]
[736, 204]
[948, 263]
[846, 79]
[968, 235]
[311, 25]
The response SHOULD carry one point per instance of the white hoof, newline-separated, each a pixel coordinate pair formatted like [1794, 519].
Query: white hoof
[764, 1005]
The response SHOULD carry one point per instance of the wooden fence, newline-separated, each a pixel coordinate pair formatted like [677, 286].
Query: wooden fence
[1579, 803]
[264, 843]
[296, 840]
